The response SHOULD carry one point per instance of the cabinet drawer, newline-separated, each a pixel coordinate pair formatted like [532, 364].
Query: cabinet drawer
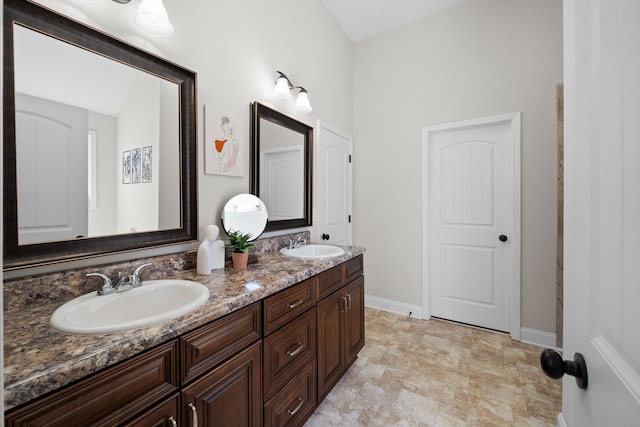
[296, 401]
[353, 268]
[212, 344]
[287, 350]
[330, 280]
[281, 308]
[108, 397]
[161, 414]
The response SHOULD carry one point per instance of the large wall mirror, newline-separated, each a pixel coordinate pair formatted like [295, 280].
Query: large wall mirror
[99, 142]
[281, 166]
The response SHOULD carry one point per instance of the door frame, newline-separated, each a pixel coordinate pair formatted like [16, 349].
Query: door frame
[514, 215]
[320, 126]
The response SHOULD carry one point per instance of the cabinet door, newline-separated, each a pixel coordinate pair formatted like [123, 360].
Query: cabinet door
[331, 358]
[354, 319]
[229, 395]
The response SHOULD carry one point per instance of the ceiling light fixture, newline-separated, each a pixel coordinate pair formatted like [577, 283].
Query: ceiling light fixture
[282, 90]
[152, 17]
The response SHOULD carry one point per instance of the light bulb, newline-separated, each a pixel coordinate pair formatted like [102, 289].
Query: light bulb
[302, 102]
[281, 89]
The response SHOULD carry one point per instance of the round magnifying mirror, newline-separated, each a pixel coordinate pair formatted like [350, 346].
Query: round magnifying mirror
[245, 213]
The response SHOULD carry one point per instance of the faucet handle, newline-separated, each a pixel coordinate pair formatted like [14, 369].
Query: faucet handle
[135, 277]
[136, 272]
[106, 283]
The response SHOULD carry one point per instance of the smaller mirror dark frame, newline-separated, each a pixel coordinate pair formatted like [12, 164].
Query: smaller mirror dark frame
[50, 23]
[260, 111]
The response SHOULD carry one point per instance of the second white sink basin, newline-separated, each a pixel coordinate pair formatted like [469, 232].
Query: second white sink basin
[313, 251]
[156, 301]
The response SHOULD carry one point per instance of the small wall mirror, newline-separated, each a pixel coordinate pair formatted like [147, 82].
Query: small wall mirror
[245, 213]
[281, 166]
[99, 149]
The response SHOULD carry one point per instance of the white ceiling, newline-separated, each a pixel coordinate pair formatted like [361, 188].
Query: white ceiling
[362, 19]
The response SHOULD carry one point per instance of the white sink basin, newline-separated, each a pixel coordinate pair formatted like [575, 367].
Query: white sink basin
[156, 301]
[313, 251]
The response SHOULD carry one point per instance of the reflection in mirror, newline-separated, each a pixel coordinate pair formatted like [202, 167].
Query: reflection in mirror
[281, 167]
[70, 143]
[99, 149]
[245, 213]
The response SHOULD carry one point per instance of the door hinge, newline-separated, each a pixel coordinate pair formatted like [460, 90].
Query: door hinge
[349, 158]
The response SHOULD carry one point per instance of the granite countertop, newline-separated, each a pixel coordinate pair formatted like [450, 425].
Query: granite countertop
[38, 359]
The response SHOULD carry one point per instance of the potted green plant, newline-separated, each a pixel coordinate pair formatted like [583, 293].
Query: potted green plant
[239, 245]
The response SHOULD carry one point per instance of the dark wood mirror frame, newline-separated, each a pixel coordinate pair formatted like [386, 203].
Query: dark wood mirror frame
[50, 23]
[260, 111]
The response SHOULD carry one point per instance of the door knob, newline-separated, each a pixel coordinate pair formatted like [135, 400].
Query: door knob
[503, 238]
[553, 365]
[325, 236]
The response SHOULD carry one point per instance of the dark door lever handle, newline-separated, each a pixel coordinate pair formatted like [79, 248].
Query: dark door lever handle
[555, 367]
[325, 236]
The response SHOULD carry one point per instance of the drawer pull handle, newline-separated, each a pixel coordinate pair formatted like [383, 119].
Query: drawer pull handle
[173, 422]
[296, 304]
[296, 351]
[194, 412]
[297, 408]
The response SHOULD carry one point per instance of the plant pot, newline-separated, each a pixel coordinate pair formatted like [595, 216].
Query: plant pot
[240, 260]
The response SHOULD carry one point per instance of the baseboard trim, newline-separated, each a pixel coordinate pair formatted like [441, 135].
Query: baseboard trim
[561, 421]
[539, 338]
[392, 306]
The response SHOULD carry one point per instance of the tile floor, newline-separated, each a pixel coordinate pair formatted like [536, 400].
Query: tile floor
[415, 372]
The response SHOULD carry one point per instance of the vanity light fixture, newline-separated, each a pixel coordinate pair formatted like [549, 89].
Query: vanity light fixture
[152, 17]
[282, 90]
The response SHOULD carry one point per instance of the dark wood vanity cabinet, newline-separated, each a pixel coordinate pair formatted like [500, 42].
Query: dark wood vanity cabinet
[269, 363]
[340, 323]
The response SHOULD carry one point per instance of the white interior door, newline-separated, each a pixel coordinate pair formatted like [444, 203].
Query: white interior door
[602, 210]
[52, 157]
[333, 185]
[471, 232]
[282, 182]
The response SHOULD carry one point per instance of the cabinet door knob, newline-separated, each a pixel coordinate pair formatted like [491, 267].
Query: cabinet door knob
[194, 415]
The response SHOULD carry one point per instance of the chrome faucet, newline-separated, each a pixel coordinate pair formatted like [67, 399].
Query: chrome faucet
[124, 283]
[297, 243]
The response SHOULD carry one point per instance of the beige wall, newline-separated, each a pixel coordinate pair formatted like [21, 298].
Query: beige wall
[481, 58]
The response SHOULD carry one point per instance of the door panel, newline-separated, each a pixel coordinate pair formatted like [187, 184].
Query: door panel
[602, 210]
[334, 182]
[52, 157]
[470, 201]
[282, 176]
